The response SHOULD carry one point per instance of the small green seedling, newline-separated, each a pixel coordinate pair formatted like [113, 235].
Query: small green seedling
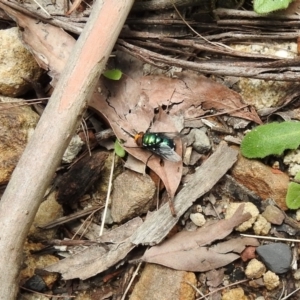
[267, 6]
[113, 74]
[119, 149]
[293, 194]
[271, 139]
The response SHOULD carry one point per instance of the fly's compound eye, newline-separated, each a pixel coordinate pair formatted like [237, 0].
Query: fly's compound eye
[138, 138]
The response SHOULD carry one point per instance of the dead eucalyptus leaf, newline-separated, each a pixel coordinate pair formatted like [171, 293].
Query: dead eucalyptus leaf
[130, 103]
[125, 106]
[188, 250]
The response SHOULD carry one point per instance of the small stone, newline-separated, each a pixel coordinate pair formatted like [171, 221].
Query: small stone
[276, 256]
[198, 219]
[273, 214]
[202, 142]
[249, 207]
[32, 262]
[234, 294]
[199, 208]
[298, 215]
[35, 283]
[263, 93]
[17, 126]
[48, 211]
[292, 159]
[255, 269]
[297, 274]
[158, 282]
[108, 218]
[271, 280]
[261, 226]
[16, 63]
[256, 283]
[261, 180]
[73, 149]
[248, 253]
[132, 195]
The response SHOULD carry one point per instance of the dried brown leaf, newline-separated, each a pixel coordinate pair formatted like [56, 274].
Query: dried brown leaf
[215, 277]
[185, 250]
[125, 106]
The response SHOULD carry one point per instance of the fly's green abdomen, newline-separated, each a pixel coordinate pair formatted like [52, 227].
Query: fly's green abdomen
[155, 140]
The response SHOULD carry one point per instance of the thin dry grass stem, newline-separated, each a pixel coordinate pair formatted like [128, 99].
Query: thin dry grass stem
[283, 290]
[292, 293]
[218, 215]
[157, 195]
[197, 33]
[196, 289]
[108, 193]
[87, 4]
[225, 287]
[88, 219]
[131, 280]
[42, 8]
[271, 238]
[45, 295]
[86, 135]
[225, 112]
[4, 105]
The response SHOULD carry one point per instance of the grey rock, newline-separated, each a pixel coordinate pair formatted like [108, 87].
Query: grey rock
[276, 256]
[202, 142]
[273, 214]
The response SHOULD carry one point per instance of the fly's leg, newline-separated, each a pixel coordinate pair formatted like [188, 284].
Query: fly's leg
[148, 159]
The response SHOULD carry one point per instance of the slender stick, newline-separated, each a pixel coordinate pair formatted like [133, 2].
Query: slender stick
[108, 193]
[53, 133]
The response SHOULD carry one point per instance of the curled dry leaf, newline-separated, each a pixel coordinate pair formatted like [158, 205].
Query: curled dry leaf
[188, 250]
[130, 103]
[125, 106]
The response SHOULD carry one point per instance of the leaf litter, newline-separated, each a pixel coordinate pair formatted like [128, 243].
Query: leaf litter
[187, 250]
[91, 262]
[96, 258]
[160, 104]
[131, 103]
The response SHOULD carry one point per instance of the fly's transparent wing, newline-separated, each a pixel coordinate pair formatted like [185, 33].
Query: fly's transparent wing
[167, 153]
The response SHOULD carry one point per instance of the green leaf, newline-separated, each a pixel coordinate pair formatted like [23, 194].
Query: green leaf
[114, 74]
[271, 139]
[267, 6]
[119, 149]
[293, 196]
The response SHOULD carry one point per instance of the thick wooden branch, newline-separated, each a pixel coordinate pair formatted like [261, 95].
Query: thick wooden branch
[55, 128]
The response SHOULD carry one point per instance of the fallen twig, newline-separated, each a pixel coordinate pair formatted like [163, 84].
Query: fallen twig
[44, 151]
